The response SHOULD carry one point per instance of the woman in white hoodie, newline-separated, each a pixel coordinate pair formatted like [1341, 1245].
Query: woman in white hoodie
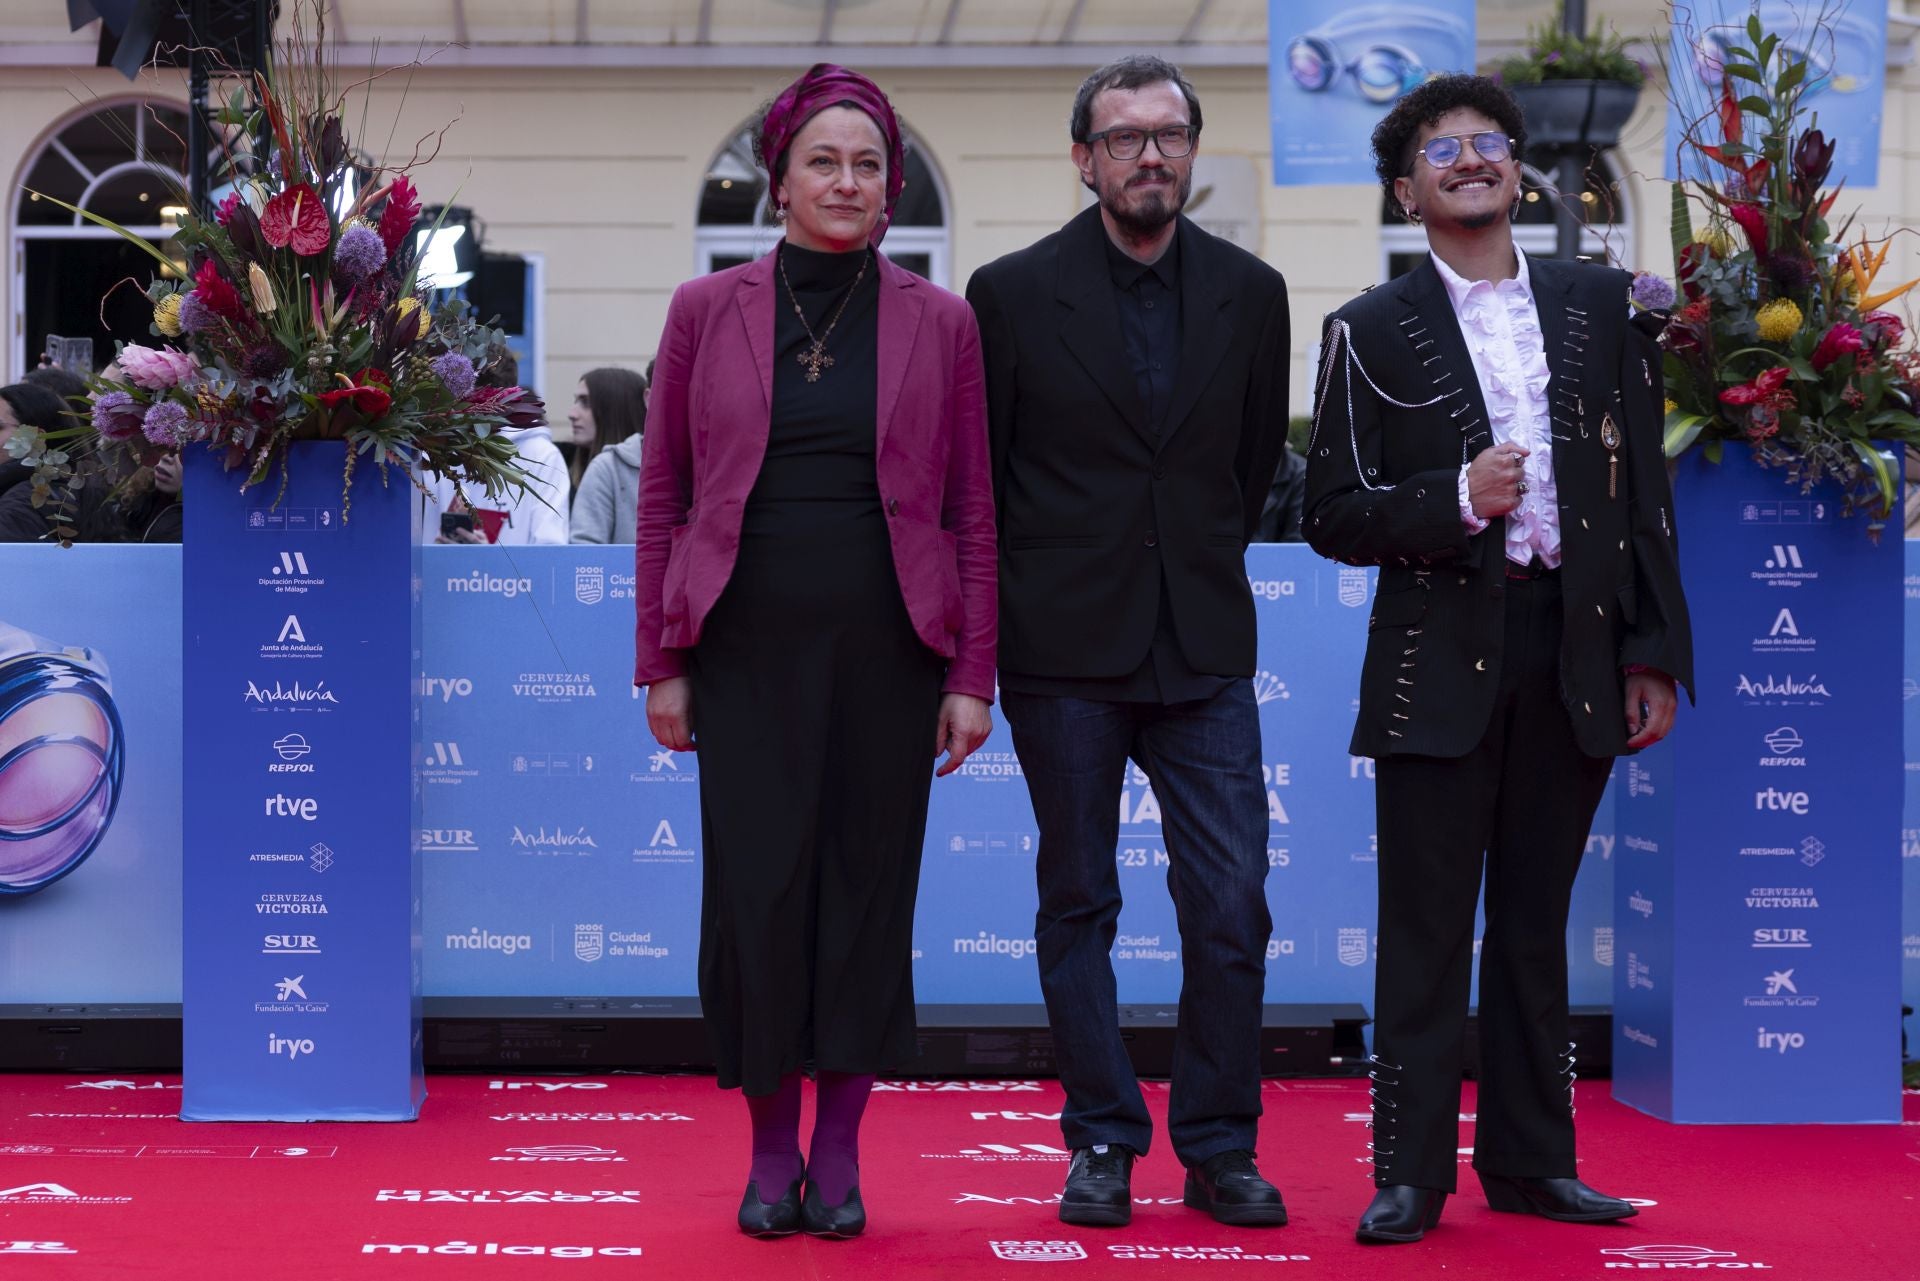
[609, 405]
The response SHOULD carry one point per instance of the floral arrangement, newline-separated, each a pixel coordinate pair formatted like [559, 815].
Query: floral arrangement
[1781, 341]
[300, 316]
[1554, 53]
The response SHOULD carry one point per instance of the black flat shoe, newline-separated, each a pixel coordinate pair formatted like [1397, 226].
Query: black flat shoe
[1566, 1200]
[1399, 1214]
[781, 1219]
[1229, 1187]
[1099, 1191]
[848, 1219]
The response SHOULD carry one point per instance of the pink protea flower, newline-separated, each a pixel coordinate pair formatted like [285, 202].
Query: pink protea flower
[156, 370]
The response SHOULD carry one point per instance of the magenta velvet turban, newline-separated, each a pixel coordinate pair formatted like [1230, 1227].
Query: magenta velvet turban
[825, 85]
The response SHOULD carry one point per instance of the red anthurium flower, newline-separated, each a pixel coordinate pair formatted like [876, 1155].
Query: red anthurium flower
[1841, 340]
[1761, 388]
[297, 217]
[397, 218]
[366, 391]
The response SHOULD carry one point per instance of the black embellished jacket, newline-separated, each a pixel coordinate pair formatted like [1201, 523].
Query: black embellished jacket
[1398, 410]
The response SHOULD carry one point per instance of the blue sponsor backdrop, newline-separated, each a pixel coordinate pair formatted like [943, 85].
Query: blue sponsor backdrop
[562, 845]
[300, 966]
[1757, 890]
[546, 762]
[1336, 68]
[1844, 43]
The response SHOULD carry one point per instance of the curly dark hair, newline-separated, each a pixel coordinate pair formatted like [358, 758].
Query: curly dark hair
[1393, 136]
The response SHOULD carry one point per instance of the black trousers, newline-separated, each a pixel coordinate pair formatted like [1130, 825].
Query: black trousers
[814, 708]
[1520, 806]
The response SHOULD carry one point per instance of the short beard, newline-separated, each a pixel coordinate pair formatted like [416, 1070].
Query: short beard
[1479, 221]
[1153, 213]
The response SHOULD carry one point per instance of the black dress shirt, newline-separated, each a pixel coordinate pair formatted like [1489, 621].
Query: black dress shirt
[1149, 298]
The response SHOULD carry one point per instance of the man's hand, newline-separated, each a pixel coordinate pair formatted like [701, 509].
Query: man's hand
[1496, 480]
[670, 713]
[1650, 706]
[965, 722]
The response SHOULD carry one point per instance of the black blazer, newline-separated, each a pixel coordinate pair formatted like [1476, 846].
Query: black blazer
[1382, 489]
[1093, 508]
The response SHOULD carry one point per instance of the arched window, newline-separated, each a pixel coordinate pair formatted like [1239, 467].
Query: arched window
[1606, 233]
[735, 226]
[124, 160]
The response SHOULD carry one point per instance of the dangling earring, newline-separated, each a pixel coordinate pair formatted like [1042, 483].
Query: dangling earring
[780, 214]
[1513, 210]
[1412, 213]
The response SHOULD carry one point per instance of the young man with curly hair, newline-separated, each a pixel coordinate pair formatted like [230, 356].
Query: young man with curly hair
[1487, 431]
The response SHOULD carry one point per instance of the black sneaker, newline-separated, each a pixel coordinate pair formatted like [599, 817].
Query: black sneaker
[1099, 1192]
[1229, 1187]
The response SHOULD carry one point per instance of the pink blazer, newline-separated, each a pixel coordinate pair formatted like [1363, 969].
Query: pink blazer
[707, 434]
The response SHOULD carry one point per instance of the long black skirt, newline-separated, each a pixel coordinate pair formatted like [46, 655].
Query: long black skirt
[814, 710]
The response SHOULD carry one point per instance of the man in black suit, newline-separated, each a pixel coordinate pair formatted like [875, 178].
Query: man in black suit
[1137, 397]
[1488, 432]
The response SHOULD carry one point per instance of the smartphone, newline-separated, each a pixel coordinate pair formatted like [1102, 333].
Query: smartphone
[74, 354]
[451, 521]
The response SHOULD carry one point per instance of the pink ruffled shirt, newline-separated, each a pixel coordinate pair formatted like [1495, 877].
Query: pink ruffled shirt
[1509, 352]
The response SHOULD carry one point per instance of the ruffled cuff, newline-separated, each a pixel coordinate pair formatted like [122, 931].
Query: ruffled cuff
[1473, 523]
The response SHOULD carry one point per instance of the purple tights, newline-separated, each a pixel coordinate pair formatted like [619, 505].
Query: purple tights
[776, 1138]
[833, 1165]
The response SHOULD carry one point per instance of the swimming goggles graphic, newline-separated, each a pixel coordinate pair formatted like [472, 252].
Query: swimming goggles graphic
[1381, 72]
[62, 757]
[1848, 43]
[1383, 65]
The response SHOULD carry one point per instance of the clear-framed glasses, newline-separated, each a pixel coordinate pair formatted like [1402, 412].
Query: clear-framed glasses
[1443, 151]
[1381, 72]
[1173, 142]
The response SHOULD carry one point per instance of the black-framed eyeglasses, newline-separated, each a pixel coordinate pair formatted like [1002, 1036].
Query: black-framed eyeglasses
[1173, 142]
[1443, 151]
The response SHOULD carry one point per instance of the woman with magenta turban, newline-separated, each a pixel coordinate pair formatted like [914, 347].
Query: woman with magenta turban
[816, 616]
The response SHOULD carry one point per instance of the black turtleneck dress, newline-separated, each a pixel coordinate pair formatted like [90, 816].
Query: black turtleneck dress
[815, 706]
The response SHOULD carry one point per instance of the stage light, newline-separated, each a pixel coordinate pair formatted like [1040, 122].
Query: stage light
[449, 253]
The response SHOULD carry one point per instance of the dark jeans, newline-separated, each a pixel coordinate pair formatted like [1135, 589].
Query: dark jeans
[1203, 759]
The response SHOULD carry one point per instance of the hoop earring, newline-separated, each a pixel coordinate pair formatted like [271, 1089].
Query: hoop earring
[1411, 213]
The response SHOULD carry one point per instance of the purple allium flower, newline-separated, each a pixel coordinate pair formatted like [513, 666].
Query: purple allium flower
[1651, 291]
[195, 316]
[360, 253]
[116, 415]
[456, 371]
[166, 423]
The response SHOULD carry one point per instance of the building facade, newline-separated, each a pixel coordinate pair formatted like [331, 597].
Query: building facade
[603, 144]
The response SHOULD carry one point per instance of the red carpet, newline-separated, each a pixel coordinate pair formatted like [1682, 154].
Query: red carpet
[639, 1176]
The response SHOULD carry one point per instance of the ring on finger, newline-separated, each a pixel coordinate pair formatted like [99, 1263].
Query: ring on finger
[1521, 487]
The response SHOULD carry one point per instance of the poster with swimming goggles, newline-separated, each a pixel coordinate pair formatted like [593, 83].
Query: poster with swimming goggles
[1337, 68]
[1844, 44]
[90, 769]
